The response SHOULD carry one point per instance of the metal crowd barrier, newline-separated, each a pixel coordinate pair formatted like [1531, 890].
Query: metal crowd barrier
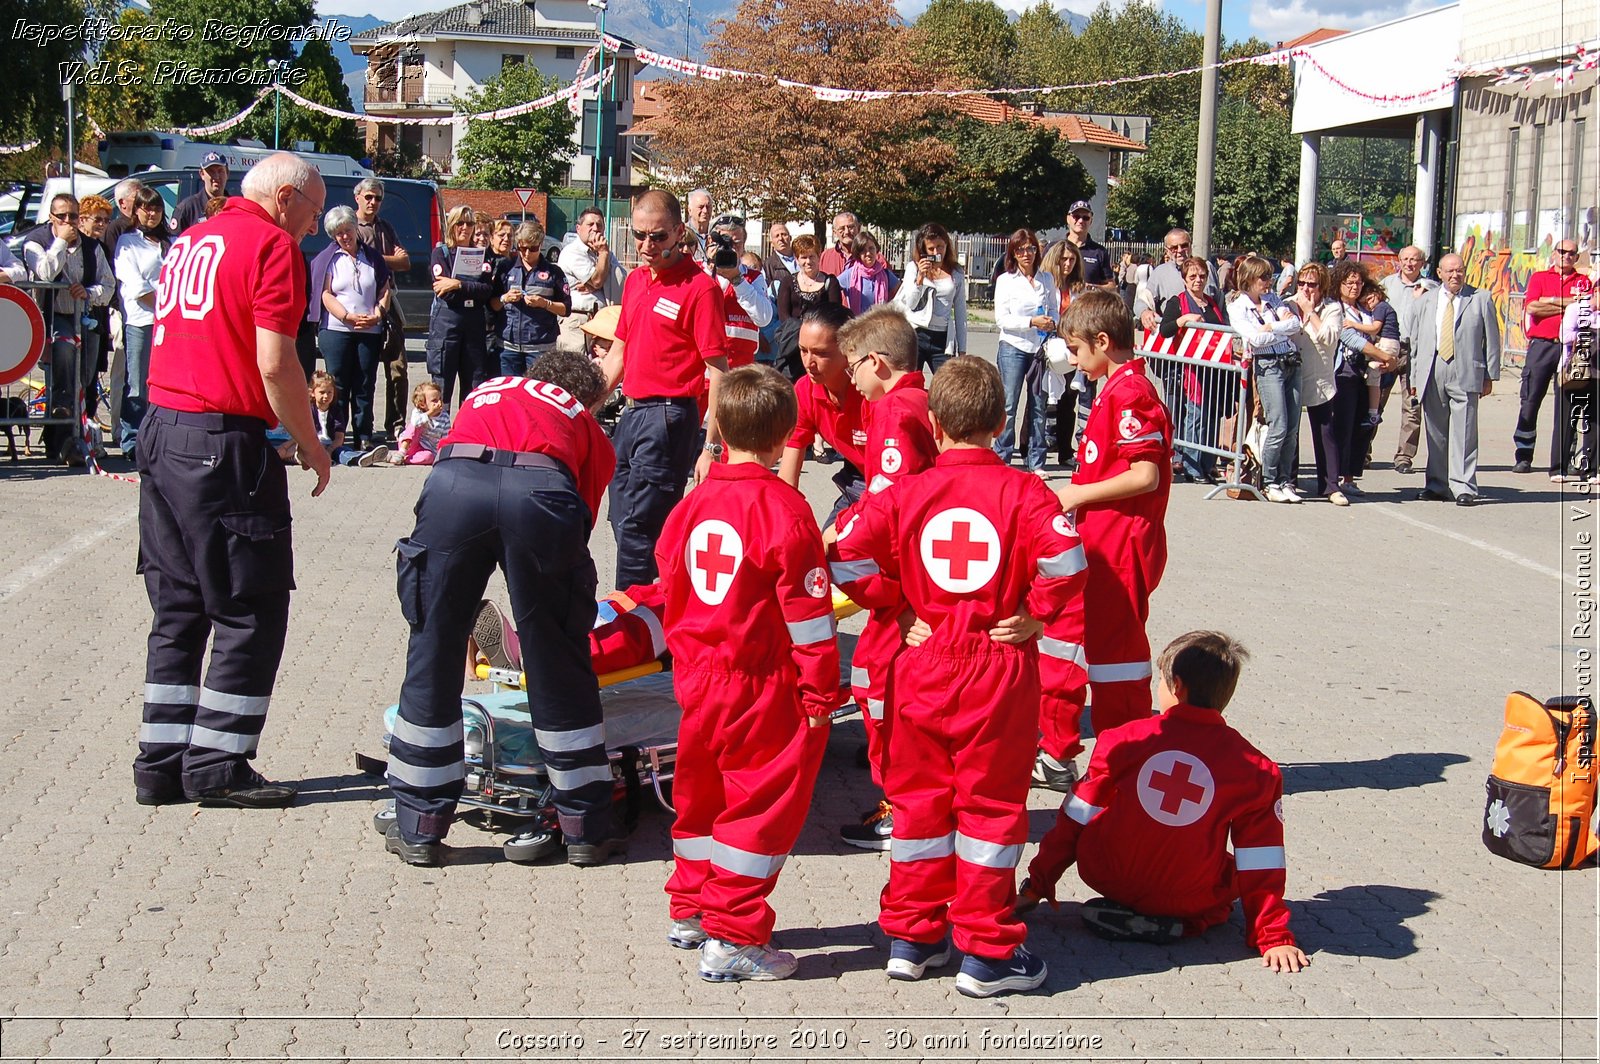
[41, 398]
[1206, 385]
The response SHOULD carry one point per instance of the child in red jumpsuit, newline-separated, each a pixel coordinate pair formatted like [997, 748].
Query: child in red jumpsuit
[969, 544]
[881, 352]
[749, 621]
[1119, 496]
[1149, 825]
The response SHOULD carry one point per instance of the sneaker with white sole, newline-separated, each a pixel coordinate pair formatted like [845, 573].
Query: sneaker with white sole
[725, 962]
[909, 960]
[371, 458]
[1291, 493]
[1058, 776]
[981, 977]
[1276, 494]
[1119, 923]
[686, 934]
[874, 830]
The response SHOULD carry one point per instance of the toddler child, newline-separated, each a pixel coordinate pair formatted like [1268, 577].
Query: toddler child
[426, 425]
[330, 424]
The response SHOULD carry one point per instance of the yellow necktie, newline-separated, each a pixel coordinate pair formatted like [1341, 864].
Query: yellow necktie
[1447, 330]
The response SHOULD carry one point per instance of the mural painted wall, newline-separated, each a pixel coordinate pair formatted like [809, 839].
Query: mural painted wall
[1504, 273]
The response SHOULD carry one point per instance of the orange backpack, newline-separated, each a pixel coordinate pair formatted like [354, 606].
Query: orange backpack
[1542, 784]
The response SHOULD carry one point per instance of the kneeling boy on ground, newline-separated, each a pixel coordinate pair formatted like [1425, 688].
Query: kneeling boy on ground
[1149, 825]
[749, 617]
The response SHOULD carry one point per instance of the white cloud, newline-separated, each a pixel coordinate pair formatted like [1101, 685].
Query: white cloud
[1285, 21]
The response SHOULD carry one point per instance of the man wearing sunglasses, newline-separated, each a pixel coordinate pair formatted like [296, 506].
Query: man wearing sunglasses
[671, 348]
[1549, 294]
[1166, 281]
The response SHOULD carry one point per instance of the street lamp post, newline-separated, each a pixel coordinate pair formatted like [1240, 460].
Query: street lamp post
[599, 110]
[278, 67]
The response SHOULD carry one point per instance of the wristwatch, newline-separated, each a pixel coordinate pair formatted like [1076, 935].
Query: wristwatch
[713, 449]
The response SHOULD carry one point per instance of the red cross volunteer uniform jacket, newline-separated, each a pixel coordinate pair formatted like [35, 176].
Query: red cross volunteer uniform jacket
[843, 424]
[749, 620]
[1149, 826]
[969, 543]
[899, 443]
[1126, 541]
[672, 325]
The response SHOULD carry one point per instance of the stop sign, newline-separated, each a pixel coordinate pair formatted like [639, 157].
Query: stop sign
[21, 334]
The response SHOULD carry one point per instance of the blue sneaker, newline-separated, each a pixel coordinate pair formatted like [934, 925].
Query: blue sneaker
[981, 978]
[908, 960]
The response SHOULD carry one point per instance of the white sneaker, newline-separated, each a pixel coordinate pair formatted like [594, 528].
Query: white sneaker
[1277, 494]
[686, 934]
[1290, 493]
[724, 962]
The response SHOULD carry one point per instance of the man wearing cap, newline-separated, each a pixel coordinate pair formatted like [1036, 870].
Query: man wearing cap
[1096, 259]
[213, 183]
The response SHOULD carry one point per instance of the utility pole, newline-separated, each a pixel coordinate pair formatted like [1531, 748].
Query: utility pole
[276, 66]
[1205, 156]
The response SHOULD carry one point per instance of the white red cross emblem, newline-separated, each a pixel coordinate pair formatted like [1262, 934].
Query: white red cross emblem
[960, 550]
[713, 557]
[1175, 788]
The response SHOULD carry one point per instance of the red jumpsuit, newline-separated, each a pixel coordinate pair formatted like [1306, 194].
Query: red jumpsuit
[749, 619]
[1150, 823]
[899, 443]
[969, 543]
[1126, 541]
[634, 635]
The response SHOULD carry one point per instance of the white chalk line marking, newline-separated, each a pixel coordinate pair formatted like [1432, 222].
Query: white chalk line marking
[1391, 510]
[20, 579]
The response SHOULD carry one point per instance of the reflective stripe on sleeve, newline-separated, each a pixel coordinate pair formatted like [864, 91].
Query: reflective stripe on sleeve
[987, 854]
[229, 742]
[172, 734]
[1067, 563]
[744, 862]
[430, 738]
[1146, 438]
[1061, 649]
[238, 705]
[922, 849]
[815, 630]
[1126, 670]
[171, 694]
[875, 708]
[859, 677]
[1257, 858]
[694, 848]
[1079, 810]
[845, 572]
[658, 637]
[571, 741]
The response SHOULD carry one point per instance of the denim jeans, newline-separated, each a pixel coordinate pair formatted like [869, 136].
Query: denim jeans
[931, 353]
[1014, 366]
[1279, 388]
[353, 360]
[1201, 428]
[516, 363]
[136, 357]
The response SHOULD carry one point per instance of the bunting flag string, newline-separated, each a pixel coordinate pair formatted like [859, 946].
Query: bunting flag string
[575, 105]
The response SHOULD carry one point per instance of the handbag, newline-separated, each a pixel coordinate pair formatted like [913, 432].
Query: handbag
[1577, 373]
[1248, 472]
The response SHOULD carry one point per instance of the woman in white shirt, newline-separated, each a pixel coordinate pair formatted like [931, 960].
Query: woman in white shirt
[1267, 330]
[934, 298]
[1321, 319]
[137, 264]
[355, 297]
[1026, 309]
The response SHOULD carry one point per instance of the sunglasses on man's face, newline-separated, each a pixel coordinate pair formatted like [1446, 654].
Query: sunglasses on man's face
[656, 236]
[370, 198]
[65, 217]
[1566, 251]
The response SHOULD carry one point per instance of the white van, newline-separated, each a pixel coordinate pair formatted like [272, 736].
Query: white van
[123, 154]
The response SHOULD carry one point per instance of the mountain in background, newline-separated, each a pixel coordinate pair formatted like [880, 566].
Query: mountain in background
[354, 66]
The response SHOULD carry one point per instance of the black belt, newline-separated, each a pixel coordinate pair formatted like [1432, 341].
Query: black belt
[212, 421]
[477, 452]
[663, 400]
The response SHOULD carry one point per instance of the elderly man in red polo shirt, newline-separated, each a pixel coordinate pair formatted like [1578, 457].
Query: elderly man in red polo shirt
[672, 332]
[1549, 294]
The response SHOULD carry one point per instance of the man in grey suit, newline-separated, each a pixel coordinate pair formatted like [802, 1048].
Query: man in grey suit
[1455, 359]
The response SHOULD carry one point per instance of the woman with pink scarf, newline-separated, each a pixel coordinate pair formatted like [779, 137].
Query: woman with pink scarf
[867, 281]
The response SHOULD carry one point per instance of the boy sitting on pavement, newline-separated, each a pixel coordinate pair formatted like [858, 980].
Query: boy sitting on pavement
[1149, 825]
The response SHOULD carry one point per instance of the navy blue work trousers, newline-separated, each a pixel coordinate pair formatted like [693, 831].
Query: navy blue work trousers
[656, 443]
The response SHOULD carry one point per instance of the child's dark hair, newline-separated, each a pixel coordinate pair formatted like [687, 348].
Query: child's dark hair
[576, 374]
[1208, 664]
[322, 376]
[885, 330]
[967, 398]
[1097, 311]
[756, 408]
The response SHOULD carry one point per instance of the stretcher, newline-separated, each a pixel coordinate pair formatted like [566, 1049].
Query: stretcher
[506, 777]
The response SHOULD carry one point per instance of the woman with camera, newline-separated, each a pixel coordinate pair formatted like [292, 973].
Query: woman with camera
[935, 298]
[1267, 330]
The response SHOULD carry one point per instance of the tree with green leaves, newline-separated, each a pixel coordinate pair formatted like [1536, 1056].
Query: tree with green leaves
[968, 41]
[1138, 38]
[324, 84]
[132, 103]
[31, 108]
[1257, 180]
[185, 104]
[1004, 177]
[530, 151]
[1045, 44]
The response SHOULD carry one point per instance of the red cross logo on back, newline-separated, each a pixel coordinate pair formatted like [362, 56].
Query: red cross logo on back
[960, 550]
[712, 556]
[713, 562]
[1175, 788]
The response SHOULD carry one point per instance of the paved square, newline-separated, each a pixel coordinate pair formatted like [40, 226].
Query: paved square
[1385, 638]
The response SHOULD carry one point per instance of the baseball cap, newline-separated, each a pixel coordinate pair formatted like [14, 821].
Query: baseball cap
[213, 158]
[1081, 205]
